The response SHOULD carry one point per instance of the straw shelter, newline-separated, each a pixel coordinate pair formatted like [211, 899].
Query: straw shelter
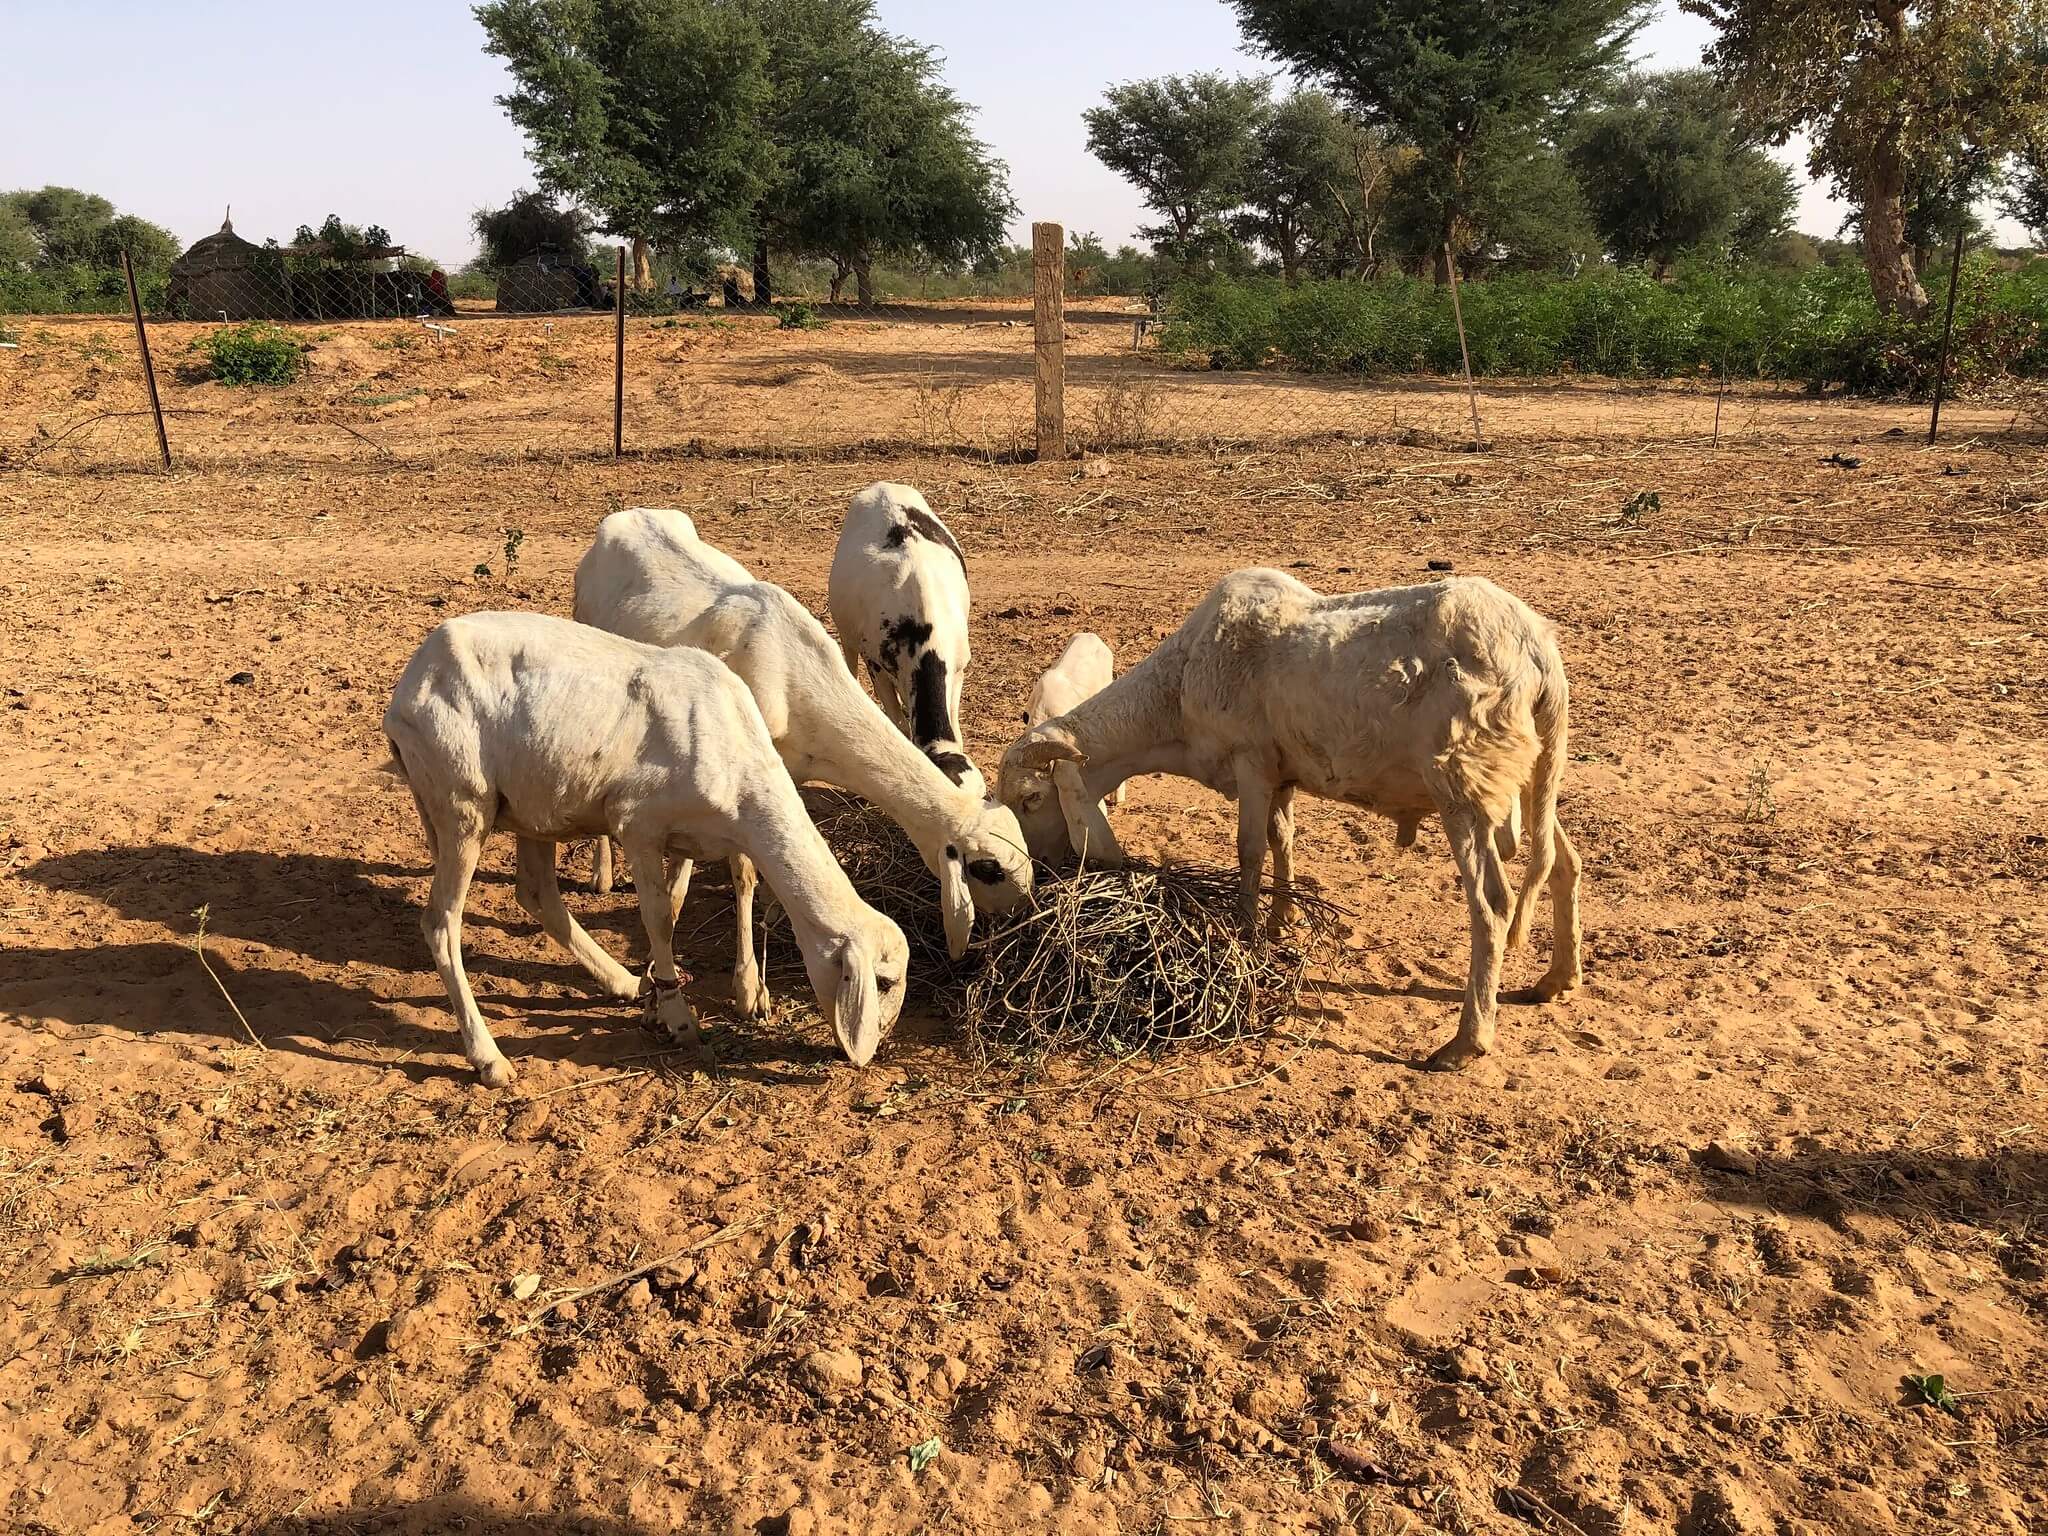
[224, 274]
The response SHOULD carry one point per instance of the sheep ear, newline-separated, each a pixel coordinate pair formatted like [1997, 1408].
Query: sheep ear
[955, 903]
[857, 1007]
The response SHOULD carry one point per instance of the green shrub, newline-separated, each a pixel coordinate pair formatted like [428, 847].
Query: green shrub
[253, 353]
[1819, 327]
[799, 317]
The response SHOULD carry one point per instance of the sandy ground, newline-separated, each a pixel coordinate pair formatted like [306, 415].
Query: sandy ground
[951, 376]
[1663, 1263]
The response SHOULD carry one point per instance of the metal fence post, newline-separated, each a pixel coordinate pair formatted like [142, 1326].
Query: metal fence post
[1049, 314]
[619, 359]
[1948, 325]
[156, 406]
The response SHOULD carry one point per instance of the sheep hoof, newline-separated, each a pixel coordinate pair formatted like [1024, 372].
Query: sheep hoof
[1552, 987]
[1455, 1054]
[495, 1074]
[750, 1001]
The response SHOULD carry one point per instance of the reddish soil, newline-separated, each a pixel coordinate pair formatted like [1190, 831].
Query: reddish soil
[1663, 1263]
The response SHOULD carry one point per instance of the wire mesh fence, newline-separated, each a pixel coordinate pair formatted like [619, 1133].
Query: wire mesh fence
[315, 354]
[298, 358]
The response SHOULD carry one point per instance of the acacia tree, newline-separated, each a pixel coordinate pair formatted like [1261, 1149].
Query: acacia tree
[62, 226]
[1187, 143]
[1883, 86]
[646, 112]
[876, 157]
[1667, 166]
[1300, 159]
[1450, 79]
[2025, 198]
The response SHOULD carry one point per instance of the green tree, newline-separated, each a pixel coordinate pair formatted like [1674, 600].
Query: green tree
[2025, 198]
[1301, 157]
[19, 246]
[1668, 167]
[1520, 210]
[529, 222]
[1455, 81]
[876, 158]
[1187, 143]
[1885, 86]
[646, 112]
[71, 228]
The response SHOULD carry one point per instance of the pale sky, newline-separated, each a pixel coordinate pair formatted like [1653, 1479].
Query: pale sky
[383, 111]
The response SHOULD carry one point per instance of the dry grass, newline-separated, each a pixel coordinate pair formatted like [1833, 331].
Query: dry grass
[1127, 960]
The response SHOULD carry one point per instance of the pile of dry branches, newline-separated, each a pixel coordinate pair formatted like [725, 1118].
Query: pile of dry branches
[1124, 960]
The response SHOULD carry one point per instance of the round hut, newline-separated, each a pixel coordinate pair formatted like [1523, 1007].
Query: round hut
[226, 275]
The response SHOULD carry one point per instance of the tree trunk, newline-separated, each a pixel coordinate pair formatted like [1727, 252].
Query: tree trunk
[763, 285]
[1893, 282]
[840, 273]
[864, 282]
[1290, 261]
[643, 265]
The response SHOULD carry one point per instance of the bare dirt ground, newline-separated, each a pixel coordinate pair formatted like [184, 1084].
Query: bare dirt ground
[941, 377]
[1663, 1263]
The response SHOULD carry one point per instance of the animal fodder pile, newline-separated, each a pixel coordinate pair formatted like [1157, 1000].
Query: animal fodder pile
[1116, 960]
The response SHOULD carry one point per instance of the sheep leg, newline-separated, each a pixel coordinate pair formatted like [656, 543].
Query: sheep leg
[886, 695]
[1280, 839]
[671, 1008]
[456, 850]
[540, 895]
[749, 991]
[601, 866]
[679, 885]
[1254, 812]
[1491, 904]
[1565, 971]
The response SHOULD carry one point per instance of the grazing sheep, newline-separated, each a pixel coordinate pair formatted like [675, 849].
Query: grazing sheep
[1449, 697]
[898, 597]
[1051, 809]
[552, 730]
[650, 577]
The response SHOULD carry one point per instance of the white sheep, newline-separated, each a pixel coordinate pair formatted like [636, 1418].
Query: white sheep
[649, 576]
[1051, 809]
[1449, 697]
[552, 730]
[898, 597]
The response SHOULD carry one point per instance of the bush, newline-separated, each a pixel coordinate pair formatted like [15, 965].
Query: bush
[254, 353]
[1818, 326]
[799, 317]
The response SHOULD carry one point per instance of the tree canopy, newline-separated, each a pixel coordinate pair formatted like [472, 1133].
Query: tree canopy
[1456, 82]
[1188, 143]
[1885, 87]
[646, 112]
[704, 125]
[62, 226]
[1668, 167]
[875, 157]
[530, 222]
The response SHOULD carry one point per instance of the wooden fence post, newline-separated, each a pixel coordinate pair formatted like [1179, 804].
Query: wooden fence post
[1464, 352]
[156, 406]
[619, 359]
[1049, 314]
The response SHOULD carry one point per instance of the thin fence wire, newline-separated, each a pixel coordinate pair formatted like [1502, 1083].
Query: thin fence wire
[396, 371]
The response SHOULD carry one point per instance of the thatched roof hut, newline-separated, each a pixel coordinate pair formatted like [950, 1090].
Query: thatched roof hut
[225, 274]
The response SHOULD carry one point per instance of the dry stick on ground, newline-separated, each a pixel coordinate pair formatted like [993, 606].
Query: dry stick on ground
[199, 949]
[724, 1234]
